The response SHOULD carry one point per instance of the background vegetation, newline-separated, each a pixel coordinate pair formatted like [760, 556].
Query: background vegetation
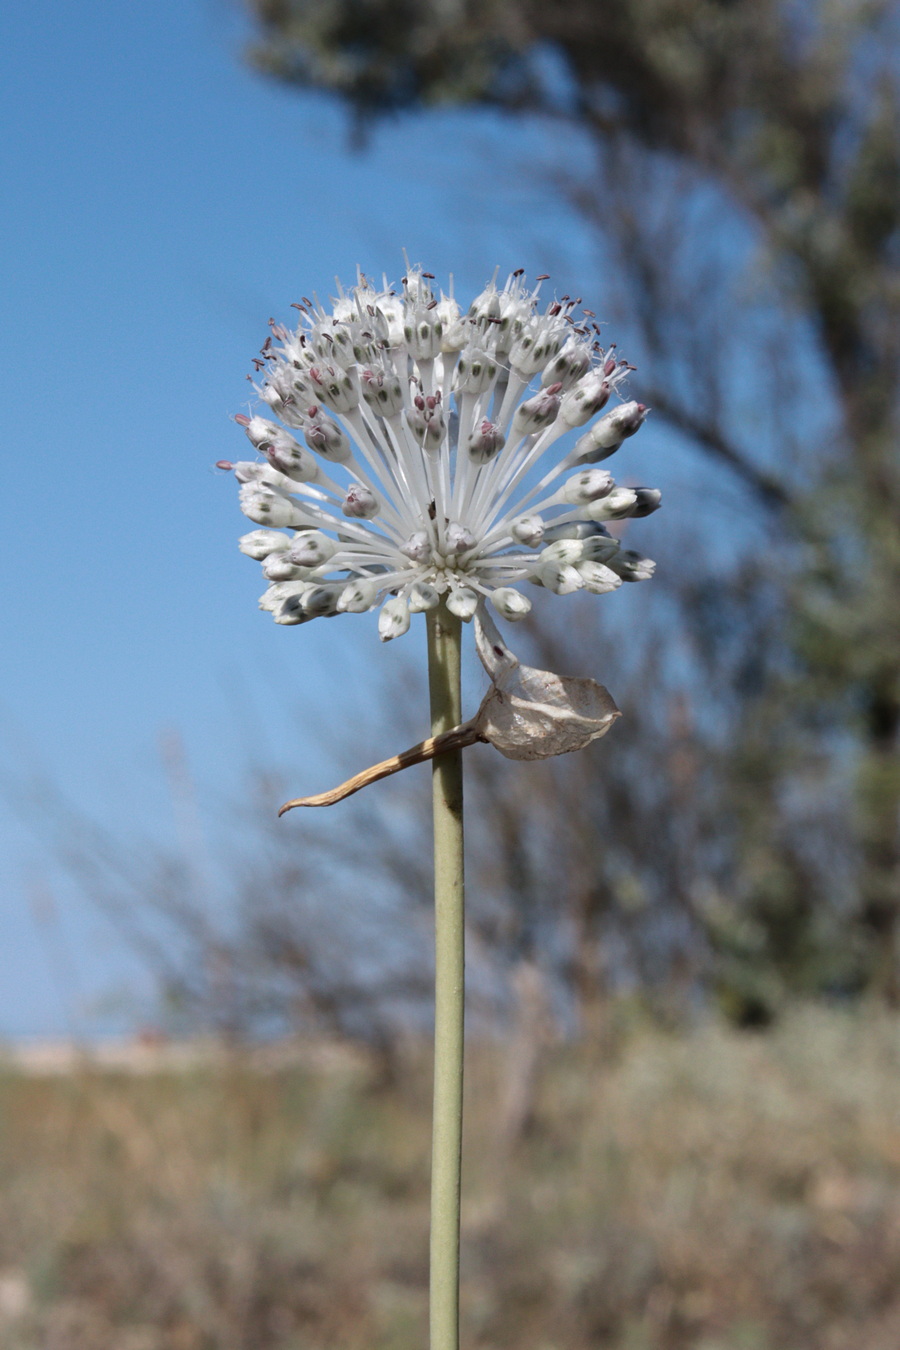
[717, 1191]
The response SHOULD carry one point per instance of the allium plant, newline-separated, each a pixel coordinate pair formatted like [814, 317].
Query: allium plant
[450, 459]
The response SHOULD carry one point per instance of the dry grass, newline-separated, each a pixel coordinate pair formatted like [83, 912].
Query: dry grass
[716, 1191]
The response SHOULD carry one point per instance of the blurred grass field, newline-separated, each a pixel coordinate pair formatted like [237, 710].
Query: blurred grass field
[716, 1190]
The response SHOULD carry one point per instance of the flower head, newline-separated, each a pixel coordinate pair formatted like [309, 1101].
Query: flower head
[446, 454]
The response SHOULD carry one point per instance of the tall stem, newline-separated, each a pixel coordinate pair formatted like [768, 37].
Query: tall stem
[449, 917]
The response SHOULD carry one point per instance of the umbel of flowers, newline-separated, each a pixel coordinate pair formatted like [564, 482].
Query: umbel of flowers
[420, 452]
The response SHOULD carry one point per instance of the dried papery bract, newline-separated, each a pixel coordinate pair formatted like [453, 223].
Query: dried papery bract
[526, 714]
[535, 714]
[448, 459]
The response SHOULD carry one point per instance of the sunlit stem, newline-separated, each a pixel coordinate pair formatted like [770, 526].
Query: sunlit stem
[447, 780]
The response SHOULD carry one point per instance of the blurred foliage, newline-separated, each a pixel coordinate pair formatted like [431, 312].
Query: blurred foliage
[714, 1190]
[739, 161]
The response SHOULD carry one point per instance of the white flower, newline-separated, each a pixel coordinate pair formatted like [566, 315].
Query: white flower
[435, 463]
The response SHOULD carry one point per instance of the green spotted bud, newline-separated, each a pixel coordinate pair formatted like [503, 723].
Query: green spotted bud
[632, 567]
[360, 502]
[616, 505]
[357, 597]
[462, 602]
[278, 567]
[587, 486]
[510, 604]
[259, 544]
[393, 619]
[562, 578]
[335, 387]
[311, 548]
[475, 372]
[382, 392]
[423, 596]
[528, 530]
[609, 432]
[269, 508]
[563, 551]
[599, 580]
[585, 399]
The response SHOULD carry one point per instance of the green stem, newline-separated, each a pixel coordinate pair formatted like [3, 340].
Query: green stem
[449, 919]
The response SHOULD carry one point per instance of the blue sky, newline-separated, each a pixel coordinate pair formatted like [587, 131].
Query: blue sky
[160, 202]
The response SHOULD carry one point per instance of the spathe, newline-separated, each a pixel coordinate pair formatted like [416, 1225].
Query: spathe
[535, 714]
[526, 714]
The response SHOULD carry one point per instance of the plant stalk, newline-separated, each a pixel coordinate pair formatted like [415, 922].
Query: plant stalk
[449, 993]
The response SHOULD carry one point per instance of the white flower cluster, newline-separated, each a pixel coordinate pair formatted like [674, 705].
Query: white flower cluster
[421, 476]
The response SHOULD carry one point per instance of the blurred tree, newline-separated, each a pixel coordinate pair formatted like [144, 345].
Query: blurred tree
[741, 157]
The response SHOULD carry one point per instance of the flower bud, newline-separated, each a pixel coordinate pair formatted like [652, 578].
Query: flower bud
[563, 551]
[260, 544]
[616, 505]
[311, 548]
[382, 392]
[290, 459]
[251, 471]
[393, 621]
[422, 330]
[365, 346]
[459, 539]
[537, 343]
[475, 372]
[584, 399]
[327, 438]
[528, 530]
[263, 477]
[321, 601]
[510, 603]
[360, 502]
[422, 597]
[484, 310]
[282, 405]
[335, 344]
[417, 292]
[648, 501]
[291, 611]
[559, 577]
[417, 547]
[587, 486]
[568, 367]
[485, 442]
[389, 320]
[514, 314]
[600, 548]
[268, 508]
[599, 580]
[536, 412]
[573, 529]
[608, 433]
[279, 567]
[453, 335]
[425, 420]
[357, 597]
[334, 387]
[632, 567]
[462, 602]
[262, 433]
[281, 591]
